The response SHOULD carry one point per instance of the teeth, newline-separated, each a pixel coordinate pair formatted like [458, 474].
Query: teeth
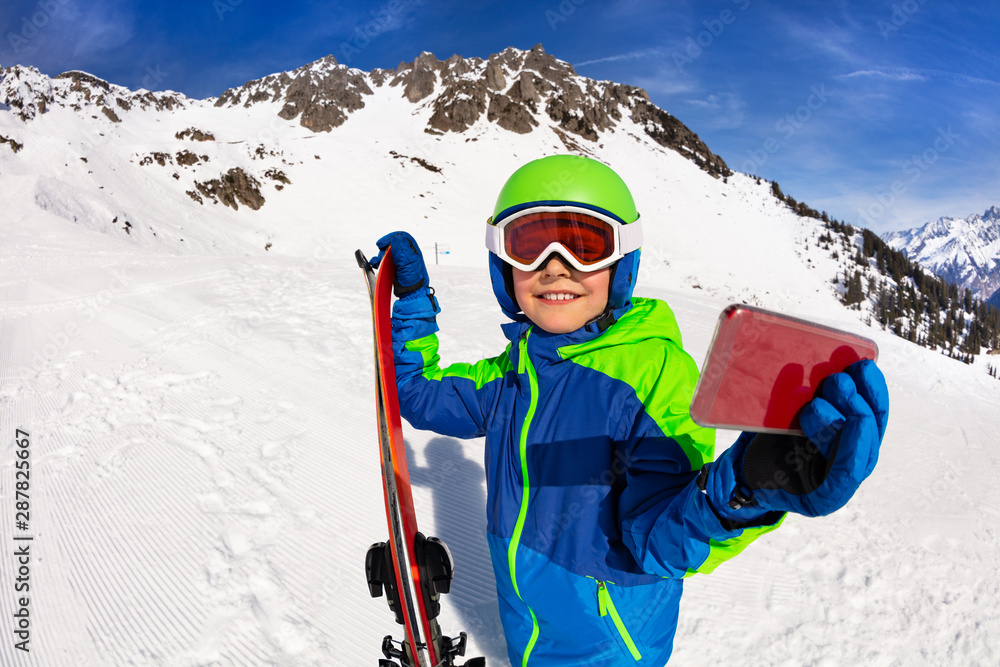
[560, 296]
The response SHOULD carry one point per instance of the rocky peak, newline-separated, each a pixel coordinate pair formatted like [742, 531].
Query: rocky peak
[320, 94]
[29, 93]
[991, 216]
[419, 77]
[518, 90]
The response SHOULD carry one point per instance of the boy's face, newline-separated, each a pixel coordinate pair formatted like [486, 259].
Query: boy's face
[560, 299]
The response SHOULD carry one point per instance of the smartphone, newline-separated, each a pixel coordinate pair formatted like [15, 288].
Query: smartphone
[762, 367]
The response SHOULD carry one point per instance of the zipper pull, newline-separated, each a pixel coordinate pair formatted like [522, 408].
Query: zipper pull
[522, 356]
[602, 598]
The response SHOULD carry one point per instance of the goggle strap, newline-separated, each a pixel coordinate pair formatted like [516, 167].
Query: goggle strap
[493, 239]
[630, 237]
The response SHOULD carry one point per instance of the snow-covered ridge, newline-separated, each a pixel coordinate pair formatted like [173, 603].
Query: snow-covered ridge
[31, 93]
[519, 91]
[965, 251]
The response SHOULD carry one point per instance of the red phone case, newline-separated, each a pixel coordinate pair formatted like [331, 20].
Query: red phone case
[762, 367]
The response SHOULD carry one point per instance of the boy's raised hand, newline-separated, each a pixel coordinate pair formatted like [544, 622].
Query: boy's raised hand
[411, 272]
[412, 288]
[813, 475]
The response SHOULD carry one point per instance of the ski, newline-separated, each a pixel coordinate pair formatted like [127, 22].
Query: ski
[411, 570]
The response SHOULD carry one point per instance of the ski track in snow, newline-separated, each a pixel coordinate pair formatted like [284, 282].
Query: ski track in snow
[192, 511]
[206, 484]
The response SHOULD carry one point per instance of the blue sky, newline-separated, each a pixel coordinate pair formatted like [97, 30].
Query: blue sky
[884, 113]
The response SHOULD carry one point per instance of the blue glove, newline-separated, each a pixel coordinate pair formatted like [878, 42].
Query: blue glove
[813, 475]
[411, 273]
[416, 300]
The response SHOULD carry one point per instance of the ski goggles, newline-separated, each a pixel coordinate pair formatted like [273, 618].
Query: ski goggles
[587, 239]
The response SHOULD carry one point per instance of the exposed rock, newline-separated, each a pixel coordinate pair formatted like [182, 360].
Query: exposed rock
[550, 68]
[112, 116]
[561, 109]
[322, 98]
[418, 160]
[233, 188]
[261, 152]
[320, 94]
[459, 106]
[195, 135]
[270, 88]
[457, 66]
[379, 76]
[14, 145]
[161, 159]
[510, 115]
[569, 142]
[419, 77]
[669, 132]
[524, 90]
[494, 75]
[277, 175]
[187, 158]
[29, 93]
[81, 81]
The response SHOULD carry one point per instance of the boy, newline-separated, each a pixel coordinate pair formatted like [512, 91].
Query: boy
[602, 494]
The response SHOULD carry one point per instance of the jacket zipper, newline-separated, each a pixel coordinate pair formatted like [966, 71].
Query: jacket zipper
[523, 364]
[607, 606]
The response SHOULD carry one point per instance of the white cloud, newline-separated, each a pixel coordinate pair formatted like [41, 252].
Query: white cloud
[914, 74]
[720, 110]
[60, 33]
[893, 74]
[631, 55]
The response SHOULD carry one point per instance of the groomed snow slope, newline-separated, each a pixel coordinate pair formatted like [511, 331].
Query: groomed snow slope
[204, 471]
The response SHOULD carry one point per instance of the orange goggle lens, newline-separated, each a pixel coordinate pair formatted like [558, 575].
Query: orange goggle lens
[589, 239]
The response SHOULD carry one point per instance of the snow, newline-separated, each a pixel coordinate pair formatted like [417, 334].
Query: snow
[966, 251]
[204, 475]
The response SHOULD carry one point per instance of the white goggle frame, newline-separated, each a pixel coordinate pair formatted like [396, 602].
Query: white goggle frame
[627, 238]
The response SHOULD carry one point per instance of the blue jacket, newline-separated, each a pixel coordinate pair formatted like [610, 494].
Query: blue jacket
[593, 513]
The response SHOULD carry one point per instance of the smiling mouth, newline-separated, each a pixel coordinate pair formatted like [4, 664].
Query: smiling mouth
[557, 296]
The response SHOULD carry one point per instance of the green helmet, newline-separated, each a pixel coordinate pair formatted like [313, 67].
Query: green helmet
[566, 180]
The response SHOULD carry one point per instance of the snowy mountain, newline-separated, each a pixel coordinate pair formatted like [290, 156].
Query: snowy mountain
[117, 146]
[187, 340]
[962, 251]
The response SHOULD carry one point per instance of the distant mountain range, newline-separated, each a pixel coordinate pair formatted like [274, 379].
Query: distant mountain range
[964, 251]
